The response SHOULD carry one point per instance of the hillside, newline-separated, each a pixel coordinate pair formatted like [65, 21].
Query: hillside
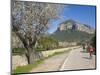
[72, 31]
[71, 36]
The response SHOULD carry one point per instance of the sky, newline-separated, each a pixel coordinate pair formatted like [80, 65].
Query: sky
[80, 13]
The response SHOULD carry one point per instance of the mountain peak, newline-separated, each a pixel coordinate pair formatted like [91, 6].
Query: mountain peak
[69, 20]
[71, 24]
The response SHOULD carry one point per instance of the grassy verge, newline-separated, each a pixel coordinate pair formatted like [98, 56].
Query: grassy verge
[27, 68]
[57, 53]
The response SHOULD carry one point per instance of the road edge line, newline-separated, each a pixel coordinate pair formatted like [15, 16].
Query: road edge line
[63, 64]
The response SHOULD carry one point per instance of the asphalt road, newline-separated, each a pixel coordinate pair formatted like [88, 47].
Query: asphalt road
[78, 60]
[74, 60]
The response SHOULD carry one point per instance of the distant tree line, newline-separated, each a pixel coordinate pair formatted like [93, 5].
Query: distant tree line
[47, 43]
[93, 42]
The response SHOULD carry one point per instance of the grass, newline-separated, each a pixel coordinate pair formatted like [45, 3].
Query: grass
[27, 68]
[57, 53]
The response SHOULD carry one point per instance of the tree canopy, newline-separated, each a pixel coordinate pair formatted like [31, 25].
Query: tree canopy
[30, 20]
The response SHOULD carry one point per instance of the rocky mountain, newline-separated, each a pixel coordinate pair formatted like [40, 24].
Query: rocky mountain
[71, 24]
[72, 31]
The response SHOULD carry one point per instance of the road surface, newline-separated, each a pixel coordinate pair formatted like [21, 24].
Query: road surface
[78, 59]
[74, 60]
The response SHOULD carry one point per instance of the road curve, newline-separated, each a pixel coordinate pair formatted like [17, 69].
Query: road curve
[74, 60]
[78, 60]
[53, 63]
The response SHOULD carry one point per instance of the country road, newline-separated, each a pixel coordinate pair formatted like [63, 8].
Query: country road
[75, 59]
[78, 59]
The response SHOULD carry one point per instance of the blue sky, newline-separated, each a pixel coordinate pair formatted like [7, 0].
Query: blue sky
[79, 13]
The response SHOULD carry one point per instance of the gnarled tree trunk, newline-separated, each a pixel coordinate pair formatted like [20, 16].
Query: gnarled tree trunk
[33, 55]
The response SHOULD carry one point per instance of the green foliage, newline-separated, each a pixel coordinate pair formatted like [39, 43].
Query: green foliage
[47, 43]
[71, 36]
[18, 51]
[93, 42]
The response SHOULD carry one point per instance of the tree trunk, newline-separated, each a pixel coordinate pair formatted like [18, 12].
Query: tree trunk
[33, 56]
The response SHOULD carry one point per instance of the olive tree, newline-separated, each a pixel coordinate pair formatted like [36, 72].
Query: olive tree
[29, 21]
